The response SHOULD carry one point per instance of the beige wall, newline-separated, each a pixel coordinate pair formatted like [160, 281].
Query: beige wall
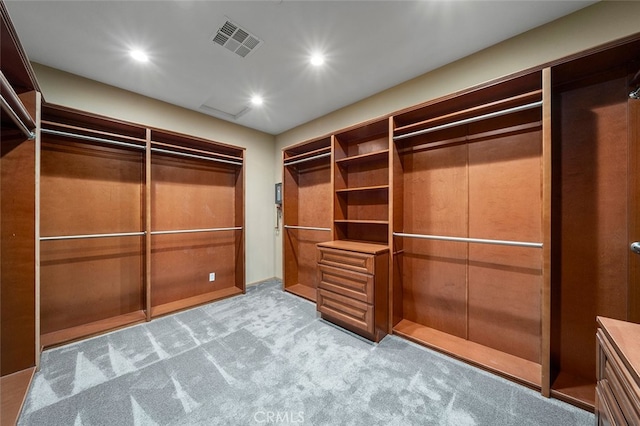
[595, 25]
[73, 91]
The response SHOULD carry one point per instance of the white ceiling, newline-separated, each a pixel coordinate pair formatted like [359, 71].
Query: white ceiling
[369, 45]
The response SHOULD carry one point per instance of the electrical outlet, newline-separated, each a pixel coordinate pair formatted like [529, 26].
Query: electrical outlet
[212, 276]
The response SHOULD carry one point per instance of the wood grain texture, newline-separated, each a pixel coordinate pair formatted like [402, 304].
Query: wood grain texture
[18, 249]
[307, 189]
[594, 250]
[88, 189]
[88, 329]
[435, 272]
[396, 214]
[181, 264]
[634, 208]
[547, 220]
[506, 365]
[505, 283]
[13, 392]
[190, 302]
[193, 195]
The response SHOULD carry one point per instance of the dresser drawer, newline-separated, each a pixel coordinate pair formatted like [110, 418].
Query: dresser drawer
[359, 262]
[626, 391]
[353, 314]
[349, 283]
[608, 413]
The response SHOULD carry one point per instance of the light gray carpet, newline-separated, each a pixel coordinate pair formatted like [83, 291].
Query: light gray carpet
[266, 358]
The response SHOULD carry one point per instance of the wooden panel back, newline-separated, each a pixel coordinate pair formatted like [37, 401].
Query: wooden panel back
[186, 195]
[594, 250]
[435, 272]
[181, 263]
[365, 205]
[368, 173]
[89, 280]
[88, 189]
[505, 282]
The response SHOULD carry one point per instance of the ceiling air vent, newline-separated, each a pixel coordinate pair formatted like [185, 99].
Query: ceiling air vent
[236, 39]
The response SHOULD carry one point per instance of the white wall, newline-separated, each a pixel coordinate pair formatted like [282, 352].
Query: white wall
[70, 90]
[595, 25]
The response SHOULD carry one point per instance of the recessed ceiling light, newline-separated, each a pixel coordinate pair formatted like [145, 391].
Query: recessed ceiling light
[139, 55]
[317, 59]
[256, 100]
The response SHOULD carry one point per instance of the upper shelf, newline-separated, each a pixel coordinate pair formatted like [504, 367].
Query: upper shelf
[514, 104]
[370, 156]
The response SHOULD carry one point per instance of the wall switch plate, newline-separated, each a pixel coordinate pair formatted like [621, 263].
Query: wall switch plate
[212, 276]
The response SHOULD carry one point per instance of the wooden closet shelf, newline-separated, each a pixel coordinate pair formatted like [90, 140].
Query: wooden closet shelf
[55, 124]
[91, 138]
[90, 329]
[575, 390]
[196, 151]
[190, 302]
[520, 370]
[357, 246]
[197, 157]
[192, 231]
[363, 221]
[304, 291]
[363, 188]
[307, 154]
[370, 156]
[513, 101]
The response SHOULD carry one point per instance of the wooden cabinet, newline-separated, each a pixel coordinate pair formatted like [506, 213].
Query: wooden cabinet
[307, 214]
[353, 286]
[618, 373]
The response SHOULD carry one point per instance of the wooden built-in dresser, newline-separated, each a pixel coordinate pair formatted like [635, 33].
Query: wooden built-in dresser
[353, 279]
[618, 388]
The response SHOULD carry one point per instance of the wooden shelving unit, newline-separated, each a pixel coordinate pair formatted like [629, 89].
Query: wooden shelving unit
[196, 227]
[306, 213]
[470, 167]
[361, 183]
[92, 225]
[133, 222]
[353, 269]
[596, 184]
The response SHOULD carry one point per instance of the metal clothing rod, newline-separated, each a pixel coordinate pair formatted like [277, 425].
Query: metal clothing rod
[14, 117]
[307, 228]
[302, 160]
[200, 157]
[469, 240]
[91, 138]
[18, 119]
[470, 120]
[186, 231]
[80, 237]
